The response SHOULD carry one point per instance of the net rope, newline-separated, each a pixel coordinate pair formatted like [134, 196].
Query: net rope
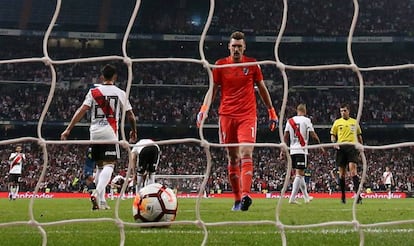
[49, 62]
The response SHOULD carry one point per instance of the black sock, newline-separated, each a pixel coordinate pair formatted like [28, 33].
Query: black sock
[355, 179]
[342, 185]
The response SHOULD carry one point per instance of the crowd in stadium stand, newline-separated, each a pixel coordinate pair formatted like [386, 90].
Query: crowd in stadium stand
[259, 17]
[387, 98]
[169, 105]
[179, 105]
[64, 172]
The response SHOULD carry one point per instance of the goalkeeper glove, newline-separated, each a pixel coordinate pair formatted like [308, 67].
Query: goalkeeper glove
[202, 114]
[273, 119]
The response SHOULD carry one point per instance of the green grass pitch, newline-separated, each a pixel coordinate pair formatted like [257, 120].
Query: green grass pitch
[52, 216]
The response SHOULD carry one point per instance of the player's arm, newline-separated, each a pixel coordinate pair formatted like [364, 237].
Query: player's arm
[316, 138]
[286, 139]
[333, 133]
[134, 162]
[334, 138]
[265, 97]
[133, 135]
[359, 136]
[202, 113]
[12, 155]
[80, 112]
[214, 91]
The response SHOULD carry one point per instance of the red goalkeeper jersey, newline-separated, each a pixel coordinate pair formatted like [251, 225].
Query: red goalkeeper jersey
[238, 97]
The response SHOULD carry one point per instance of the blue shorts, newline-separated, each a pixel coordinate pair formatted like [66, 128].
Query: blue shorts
[89, 165]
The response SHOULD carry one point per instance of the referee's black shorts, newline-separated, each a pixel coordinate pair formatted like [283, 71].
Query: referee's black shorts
[346, 154]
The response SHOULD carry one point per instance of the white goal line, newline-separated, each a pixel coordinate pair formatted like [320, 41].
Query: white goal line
[180, 176]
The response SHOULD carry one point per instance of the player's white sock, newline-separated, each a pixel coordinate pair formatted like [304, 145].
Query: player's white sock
[16, 192]
[112, 193]
[302, 186]
[11, 191]
[104, 178]
[295, 189]
[151, 178]
[97, 175]
[139, 182]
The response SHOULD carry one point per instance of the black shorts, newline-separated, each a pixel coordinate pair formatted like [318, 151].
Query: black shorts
[345, 155]
[105, 152]
[299, 161]
[388, 186]
[14, 177]
[148, 159]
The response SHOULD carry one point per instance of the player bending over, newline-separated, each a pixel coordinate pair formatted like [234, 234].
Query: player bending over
[146, 155]
[116, 186]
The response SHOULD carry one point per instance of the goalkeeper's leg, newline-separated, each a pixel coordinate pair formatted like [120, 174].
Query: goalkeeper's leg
[234, 179]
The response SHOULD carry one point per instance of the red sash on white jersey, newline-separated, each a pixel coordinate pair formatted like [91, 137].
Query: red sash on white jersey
[106, 108]
[15, 161]
[297, 132]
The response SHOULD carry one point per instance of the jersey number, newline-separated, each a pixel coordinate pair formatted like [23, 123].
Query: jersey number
[107, 107]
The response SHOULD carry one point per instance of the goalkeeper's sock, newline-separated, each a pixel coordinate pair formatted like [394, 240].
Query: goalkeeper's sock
[246, 175]
[234, 179]
[104, 178]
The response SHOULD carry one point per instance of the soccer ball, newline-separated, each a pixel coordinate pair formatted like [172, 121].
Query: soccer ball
[155, 203]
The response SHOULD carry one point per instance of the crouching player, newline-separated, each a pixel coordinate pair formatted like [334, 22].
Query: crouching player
[116, 186]
[146, 155]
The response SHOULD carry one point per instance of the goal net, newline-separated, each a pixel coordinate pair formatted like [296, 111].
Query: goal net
[189, 69]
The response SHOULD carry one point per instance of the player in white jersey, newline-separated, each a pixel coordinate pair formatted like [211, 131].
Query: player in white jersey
[16, 161]
[297, 131]
[105, 103]
[146, 154]
[388, 181]
[116, 186]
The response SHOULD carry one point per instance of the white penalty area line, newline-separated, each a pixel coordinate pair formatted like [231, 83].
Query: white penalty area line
[235, 231]
[315, 231]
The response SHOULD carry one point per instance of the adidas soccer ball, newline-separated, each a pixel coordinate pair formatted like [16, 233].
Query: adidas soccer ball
[155, 203]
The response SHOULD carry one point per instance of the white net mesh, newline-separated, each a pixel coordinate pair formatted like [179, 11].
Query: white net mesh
[52, 63]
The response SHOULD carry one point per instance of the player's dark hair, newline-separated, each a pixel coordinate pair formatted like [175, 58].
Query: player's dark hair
[345, 105]
[108, 71]
[237, 35]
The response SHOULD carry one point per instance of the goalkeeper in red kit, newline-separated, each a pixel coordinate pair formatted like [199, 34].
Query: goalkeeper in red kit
[238, 116]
